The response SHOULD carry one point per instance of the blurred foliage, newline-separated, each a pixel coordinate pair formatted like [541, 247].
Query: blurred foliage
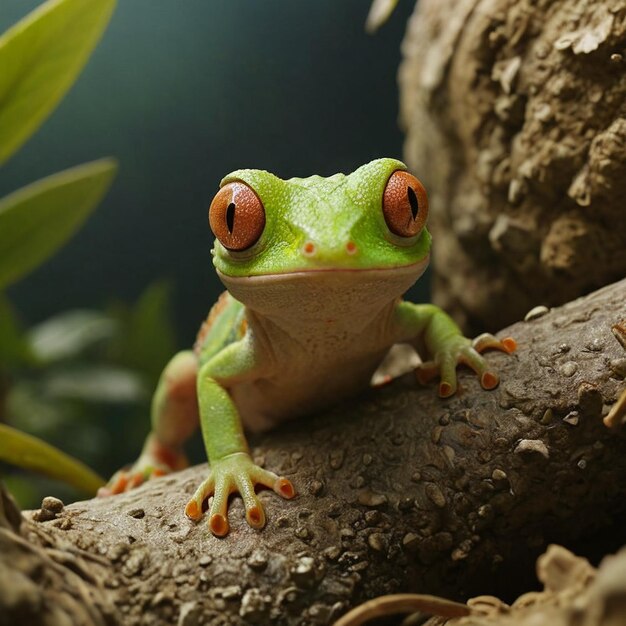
[49, 379]
[88, 375]
[145, 341]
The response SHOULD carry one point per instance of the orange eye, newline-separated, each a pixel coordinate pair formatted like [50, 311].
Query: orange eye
[405, 204]
[237, 216]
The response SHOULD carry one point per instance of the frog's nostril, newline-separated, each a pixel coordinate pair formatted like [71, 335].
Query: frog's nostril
[351, 248]
[309, 249]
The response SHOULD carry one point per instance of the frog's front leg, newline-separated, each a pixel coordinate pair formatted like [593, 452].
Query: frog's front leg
[446, 345]
[232, 469]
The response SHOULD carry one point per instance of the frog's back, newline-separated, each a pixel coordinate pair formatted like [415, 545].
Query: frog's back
[225, 324]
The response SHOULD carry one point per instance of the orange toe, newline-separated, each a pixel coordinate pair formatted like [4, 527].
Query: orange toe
[445, 390]
[218, 525]
[119, 485]
[192, 511]
[285, 488]
[489, 380]
[255, 517]
[510, 344]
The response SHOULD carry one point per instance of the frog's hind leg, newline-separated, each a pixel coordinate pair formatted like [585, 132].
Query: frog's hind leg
[174, 419]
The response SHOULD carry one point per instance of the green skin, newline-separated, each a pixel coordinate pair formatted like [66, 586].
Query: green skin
[313, 308]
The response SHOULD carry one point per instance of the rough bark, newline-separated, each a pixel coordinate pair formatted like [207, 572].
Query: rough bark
[515, 114]
[44, 580]
[398, 490]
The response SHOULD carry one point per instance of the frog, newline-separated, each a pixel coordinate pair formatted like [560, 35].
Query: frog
[315, 269]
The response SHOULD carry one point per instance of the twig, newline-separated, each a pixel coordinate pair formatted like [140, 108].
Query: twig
[403, 603]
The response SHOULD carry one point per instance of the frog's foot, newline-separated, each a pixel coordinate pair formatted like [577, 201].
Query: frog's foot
[461, 350]
[235, 473]
[155, 460]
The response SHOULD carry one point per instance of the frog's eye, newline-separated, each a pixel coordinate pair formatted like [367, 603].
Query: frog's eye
[237, 216]
[405, 204]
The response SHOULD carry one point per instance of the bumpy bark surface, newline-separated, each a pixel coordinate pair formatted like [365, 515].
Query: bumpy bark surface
[398, 490]
[515, 114]
[44, 580]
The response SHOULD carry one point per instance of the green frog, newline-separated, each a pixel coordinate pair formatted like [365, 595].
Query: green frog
[314, 270]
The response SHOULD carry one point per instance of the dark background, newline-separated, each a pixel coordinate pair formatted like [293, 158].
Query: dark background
[181, 93]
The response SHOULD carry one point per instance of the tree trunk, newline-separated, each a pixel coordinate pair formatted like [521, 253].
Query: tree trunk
[398, 491]
[515, 114]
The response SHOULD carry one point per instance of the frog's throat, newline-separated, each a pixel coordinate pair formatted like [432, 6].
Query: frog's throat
[309, 295]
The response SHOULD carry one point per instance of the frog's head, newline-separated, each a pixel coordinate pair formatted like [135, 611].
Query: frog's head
[345, 227]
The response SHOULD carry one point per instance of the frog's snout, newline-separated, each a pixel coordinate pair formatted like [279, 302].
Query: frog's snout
[311, 250]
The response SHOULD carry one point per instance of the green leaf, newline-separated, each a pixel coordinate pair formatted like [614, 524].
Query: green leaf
[14, 347]
[69, 334]
[38, 219]
[40, 57]
[28, 452]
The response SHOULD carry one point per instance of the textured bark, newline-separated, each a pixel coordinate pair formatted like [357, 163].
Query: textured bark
[515, 114]
[398, 491]
[44, 580]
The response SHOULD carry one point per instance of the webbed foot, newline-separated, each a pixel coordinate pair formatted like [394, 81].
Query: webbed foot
[155, 460]
[461, 350]
[236, 473]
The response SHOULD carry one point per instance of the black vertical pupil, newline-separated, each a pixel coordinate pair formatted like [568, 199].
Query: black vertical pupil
[415, 207]
[230, 217]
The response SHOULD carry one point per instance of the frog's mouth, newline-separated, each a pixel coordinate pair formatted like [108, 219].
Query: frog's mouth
[319, 293]
[415, 269]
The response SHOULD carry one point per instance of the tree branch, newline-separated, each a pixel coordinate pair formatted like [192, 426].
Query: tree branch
[399, 491]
